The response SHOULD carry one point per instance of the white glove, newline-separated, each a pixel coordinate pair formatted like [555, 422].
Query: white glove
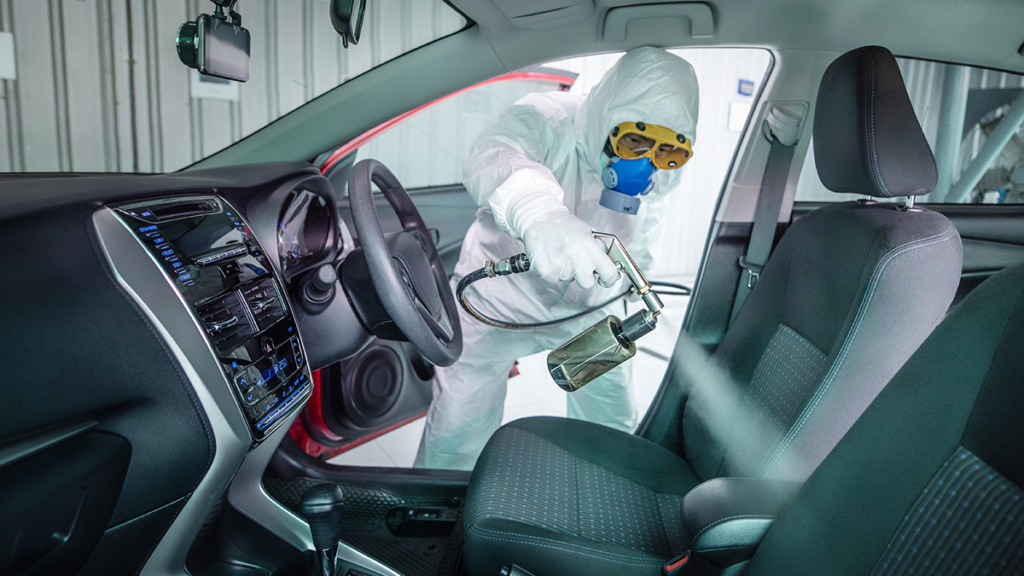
[560, 245]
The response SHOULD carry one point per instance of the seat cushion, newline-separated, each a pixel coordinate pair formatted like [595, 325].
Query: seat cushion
[554, 494]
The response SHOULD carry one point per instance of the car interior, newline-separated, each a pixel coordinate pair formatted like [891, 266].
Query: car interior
[188, 345]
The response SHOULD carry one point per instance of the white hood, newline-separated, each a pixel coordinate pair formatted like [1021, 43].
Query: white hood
[646, 85]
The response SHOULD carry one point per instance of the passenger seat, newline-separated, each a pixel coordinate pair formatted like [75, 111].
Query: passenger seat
[850, 292]
[930, 480]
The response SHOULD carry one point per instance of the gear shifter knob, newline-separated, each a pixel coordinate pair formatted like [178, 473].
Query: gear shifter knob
[322, 505]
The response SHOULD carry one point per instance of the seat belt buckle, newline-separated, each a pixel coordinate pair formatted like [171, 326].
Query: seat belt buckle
[676, 565]
[753, 271]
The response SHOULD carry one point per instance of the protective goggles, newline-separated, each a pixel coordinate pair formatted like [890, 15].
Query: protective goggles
[666, 148]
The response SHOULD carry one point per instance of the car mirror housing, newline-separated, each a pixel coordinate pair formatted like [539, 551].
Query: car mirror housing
[347, 18]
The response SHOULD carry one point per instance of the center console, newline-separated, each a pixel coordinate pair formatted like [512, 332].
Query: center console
[220, 270]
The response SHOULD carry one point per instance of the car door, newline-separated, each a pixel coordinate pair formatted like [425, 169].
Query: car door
[387, 384]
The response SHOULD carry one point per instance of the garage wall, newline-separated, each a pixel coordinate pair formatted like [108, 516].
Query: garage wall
[99, 86]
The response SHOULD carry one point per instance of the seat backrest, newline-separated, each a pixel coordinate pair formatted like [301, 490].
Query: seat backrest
[850, 292]
[930, 480]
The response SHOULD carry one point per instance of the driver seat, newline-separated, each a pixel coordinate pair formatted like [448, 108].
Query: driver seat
[850, 292]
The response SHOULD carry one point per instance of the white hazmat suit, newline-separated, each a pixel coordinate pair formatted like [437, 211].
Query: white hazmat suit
[536, 175]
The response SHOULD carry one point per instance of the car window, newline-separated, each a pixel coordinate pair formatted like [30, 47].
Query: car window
[972, 118]
[98, 87]
[426, 148]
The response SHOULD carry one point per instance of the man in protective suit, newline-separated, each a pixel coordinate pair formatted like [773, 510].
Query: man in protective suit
[537, 176]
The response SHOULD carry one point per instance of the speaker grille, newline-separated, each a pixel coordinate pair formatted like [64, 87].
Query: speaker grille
[372, 385]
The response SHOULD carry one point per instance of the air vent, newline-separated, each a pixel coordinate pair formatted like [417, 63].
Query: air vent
[264, 302]
[225, 321]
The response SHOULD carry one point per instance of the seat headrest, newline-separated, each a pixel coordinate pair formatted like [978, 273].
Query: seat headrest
[866, 137]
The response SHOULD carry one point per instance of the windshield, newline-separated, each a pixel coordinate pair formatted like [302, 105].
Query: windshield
[96, 85]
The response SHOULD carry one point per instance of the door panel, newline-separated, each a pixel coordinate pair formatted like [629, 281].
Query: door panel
[986, 256]
[993, 238]
[387, 384]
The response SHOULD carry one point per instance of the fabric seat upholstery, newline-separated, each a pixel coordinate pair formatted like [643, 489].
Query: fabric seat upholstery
[849, 293]
[578, 497]
[930, 480]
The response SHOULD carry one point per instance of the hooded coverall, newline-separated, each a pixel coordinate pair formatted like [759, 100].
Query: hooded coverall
[547, 149]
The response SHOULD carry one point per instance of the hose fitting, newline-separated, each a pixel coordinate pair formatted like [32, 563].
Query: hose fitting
[513, 265]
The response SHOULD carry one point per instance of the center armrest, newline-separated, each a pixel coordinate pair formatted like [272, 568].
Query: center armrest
[728, 517]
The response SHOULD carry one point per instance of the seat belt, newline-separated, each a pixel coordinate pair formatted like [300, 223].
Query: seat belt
[781, 127]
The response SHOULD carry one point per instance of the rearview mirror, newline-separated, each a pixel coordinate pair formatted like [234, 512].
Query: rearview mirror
[215, 47]
[347, 17]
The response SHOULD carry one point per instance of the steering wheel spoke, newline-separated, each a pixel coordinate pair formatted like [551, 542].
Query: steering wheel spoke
[441, 327]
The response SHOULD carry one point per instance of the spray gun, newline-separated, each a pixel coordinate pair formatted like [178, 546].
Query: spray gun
[610, 341]
[597, 349]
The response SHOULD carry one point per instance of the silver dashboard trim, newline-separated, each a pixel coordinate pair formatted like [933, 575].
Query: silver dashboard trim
[248, 496]
[139, 274]
[232, 469]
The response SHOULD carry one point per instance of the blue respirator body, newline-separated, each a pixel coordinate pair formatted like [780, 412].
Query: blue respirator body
[625, 181]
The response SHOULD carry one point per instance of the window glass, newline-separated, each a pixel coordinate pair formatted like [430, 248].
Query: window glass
[427, 148]
[972, 119]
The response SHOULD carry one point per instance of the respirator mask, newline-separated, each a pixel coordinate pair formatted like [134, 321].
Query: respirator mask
[636, 151]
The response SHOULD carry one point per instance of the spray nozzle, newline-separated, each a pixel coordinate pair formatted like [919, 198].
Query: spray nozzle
[611, 341]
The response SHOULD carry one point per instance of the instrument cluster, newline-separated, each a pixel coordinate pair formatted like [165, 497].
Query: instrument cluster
[306, 231]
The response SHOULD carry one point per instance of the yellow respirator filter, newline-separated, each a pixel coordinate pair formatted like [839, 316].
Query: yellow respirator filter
[666, 148]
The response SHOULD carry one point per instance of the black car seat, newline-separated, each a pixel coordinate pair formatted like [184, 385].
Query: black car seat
[930, 480]
[850, 292]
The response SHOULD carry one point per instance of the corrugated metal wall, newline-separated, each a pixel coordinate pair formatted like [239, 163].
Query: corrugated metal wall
[100, 87]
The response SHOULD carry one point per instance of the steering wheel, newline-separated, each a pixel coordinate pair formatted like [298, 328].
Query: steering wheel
[405, 268]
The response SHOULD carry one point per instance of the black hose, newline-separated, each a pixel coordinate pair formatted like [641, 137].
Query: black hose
[482, 273]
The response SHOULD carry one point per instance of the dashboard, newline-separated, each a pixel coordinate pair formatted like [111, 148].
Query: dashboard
[158, 353]
[222, 272]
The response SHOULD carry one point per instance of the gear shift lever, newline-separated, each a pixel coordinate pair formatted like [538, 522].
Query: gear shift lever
[322, 505]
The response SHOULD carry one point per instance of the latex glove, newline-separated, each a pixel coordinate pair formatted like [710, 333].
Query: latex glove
[562, 246]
